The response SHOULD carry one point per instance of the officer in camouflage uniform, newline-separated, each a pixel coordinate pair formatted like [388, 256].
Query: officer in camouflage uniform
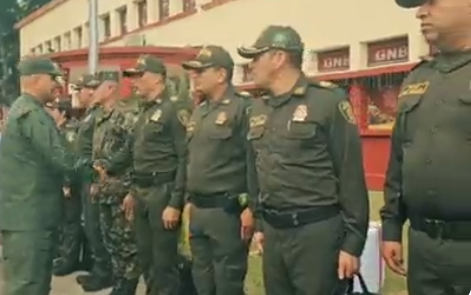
[312, 193]
[100, 276]
[158, 153]
[72, 236]
[221, 224]
[113, 129]
[35, 161]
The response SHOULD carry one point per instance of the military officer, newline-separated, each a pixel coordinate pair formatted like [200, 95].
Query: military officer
[159, 156]
[427, 178]
[221, 223]
[113, 128]
[34, 164]
[100, 276]
[71, 234]
[307, 150]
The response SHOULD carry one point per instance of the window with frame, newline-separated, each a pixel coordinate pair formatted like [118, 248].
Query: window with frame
[57, 44]
[189, 5]
[48, 46]
[67, 41]
[164, 9]
[123, 20]
[141, 13]
[79, 36]
[106, 25]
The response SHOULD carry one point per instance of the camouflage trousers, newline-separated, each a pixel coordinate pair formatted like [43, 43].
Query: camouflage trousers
[119, 241]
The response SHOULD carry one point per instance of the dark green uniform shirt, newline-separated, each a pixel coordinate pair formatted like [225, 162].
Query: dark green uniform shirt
[158, 145]
[430, 160]
[34, 160]
[217, 140]
[84, 140]
[308, 154]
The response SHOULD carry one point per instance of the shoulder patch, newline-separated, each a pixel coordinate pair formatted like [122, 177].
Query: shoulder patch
[183, 116]
[346, 110]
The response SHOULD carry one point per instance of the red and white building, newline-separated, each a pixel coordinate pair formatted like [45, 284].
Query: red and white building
[367, 46]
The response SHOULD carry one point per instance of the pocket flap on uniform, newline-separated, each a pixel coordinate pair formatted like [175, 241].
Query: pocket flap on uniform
[220, 133]
[301, 130]
[465, 99]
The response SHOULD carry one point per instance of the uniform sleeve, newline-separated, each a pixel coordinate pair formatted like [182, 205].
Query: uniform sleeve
[393, 213]
[345, 146]
[253, 188]
[47, 140]
[178, 122]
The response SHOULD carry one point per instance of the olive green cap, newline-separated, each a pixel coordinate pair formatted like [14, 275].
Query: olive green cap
[87, 81]
[146, 63]
[112, 76]
[274, 37]
[210, 56]
[410, 3]
[39, 65]
[62, 104]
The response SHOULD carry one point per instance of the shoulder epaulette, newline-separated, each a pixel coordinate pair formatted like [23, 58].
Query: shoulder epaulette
[324, 84]
[424, 60]
[244, 94]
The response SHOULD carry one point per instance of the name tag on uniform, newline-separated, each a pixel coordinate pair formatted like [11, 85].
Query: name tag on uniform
[156, 116]
[259, 120]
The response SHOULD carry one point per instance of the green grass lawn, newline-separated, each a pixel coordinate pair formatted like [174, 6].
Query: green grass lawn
[394, 285]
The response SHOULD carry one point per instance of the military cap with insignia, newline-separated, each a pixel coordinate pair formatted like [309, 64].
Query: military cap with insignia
[274, 37]
[39, 65]
[87, 81]
[210, 56]
[146, 63]
[112, 76]
[410, 3]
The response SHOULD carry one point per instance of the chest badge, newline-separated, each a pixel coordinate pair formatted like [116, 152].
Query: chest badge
[87, 118]
[300, 113]
[156, 115]
[221, 118]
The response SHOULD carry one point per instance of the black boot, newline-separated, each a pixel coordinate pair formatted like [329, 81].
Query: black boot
[64, 267]
[94, 283]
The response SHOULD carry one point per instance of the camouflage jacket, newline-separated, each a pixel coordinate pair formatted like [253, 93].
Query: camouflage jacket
[113, 131]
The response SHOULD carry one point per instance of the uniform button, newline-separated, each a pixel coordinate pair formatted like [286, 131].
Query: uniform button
[434, 130]
[428, 161]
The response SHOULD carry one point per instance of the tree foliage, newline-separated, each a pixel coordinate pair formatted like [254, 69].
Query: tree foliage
[11, 11]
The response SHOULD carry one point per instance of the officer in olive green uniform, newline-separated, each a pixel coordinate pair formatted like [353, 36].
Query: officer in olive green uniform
[34, 163]
[427, 181]
[100, 275]
[217, 178]
[313, 198]
[113, 128]
[158, 153]
[71, 235]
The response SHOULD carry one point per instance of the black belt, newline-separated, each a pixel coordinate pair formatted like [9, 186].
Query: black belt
[226, 201]
[279, 218]
[152, 179]
[440, 229]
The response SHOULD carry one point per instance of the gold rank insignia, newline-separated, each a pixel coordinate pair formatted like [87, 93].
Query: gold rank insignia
[221, 118]
[156, 115]
[347, 112]
[174, 98]
[226, 101]
[190, 127]
[300, 113]
[301, 90]
[183, 117]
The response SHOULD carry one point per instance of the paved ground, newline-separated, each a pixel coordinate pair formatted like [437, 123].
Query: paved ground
[68, 286]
